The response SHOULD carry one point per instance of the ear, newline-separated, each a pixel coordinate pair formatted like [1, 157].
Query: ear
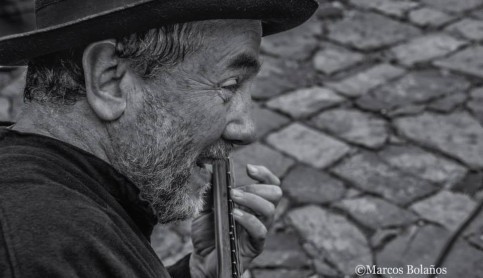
[103, 72]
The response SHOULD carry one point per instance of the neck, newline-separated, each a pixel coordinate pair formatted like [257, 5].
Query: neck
[73, 124]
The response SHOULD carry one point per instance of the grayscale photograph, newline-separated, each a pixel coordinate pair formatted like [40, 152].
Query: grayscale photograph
[241, 138]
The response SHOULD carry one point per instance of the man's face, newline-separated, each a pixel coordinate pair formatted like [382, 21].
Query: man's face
[187, 116]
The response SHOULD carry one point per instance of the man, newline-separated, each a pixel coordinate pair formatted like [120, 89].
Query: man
[127, 101]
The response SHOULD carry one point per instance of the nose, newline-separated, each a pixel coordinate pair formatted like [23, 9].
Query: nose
[240, 128]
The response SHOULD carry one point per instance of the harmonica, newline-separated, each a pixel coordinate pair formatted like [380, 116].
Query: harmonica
[225, 226]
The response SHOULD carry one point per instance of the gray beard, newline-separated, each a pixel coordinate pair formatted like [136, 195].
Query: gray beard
[159, 159]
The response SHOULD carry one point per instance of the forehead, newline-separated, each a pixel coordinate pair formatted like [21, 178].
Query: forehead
[223, 39]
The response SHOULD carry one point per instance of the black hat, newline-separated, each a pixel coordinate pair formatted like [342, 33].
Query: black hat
[63, 24]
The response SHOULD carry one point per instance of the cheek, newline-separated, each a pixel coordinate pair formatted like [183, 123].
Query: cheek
[206, 117]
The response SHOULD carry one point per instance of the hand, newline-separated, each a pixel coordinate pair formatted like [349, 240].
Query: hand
[257, 204]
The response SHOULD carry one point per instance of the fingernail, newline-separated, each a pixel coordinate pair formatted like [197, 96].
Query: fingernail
[252, 169]
[237, 212]
[236, 193]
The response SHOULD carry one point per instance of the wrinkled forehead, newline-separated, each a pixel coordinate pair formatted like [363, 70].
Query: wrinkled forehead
[222, 30]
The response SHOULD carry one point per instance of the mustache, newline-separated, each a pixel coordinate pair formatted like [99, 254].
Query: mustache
[219, 150]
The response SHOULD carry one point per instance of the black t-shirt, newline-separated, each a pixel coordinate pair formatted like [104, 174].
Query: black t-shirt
[67, 213]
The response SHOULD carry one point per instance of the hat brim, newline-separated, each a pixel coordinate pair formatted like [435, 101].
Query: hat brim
[276, 16]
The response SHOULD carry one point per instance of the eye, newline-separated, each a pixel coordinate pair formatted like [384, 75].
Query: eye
[231, 84]
[229, 88]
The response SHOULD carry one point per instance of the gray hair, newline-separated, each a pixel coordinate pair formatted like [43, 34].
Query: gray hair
[58, 78]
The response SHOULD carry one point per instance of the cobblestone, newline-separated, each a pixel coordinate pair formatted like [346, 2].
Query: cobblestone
[446, 208]
[308, 145]
[424, 164]
[278, 76]
[448, 103]
[338, 240]
[458, 135]
[267, 120]
[333, 59]
[428, 17]
[465, 261]
[361, 83]
[354, 126]
[376, 213]
[468, 28]
[475, 104]
[369, 31]
[418, 246]
[165, 242]
[426, 48]
[414, 88]
[298, 43]
[309, 186]
[276, 273]
[305, 102]
[389, 7]
[281, 250]
[469, 61]
[259, 154]
[367, 172]
[4, 109]
[455, 6]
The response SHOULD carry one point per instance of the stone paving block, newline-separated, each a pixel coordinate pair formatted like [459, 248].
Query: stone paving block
[322, 268]
[333, 59]
[446, 208]
[455, 6]
[464, 261]
[457, 135]
[306, 185]
[281, 250]
[298, 43]
[469, 28]
[475, 104]
[470, 184]
[266, 120]
[474, 233]
[308, 145]
[305, 102]
[165, 242]
[429, 17]
[14, 87]
[418, 246]
[278, 76]
[370, 31]
[390, 7]
[258, 154]
[361, 83]
[277, 273]
[376, 213]
[426, 48]
[478, 13]
[4, 109]
[354, 126]
[338, 240]
[469, 61]
[369, 173]
[418, 87]
[424, 164]
[380, 237]
[448, 103]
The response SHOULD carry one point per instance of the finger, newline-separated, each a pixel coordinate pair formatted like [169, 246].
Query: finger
[270, 192]
[262, 174]
[254, 227]
[257, 204]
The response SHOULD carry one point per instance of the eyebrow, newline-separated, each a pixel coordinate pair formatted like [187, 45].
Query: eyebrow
[245, 61]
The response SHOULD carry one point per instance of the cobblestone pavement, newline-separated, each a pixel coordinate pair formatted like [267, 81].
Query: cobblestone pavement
[371, 114]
